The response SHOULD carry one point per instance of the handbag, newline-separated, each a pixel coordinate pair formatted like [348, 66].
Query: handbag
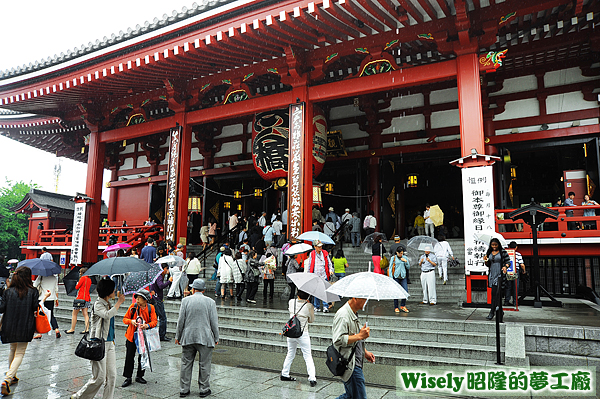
[293, 328]
[79, 303]
[453, 262]
[42, 325]
[92, 348]
[337, 363]
[384, 262]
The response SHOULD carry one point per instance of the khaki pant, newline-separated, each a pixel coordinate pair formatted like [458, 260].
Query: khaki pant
[188, 354]
[15, 357]
[104, 373]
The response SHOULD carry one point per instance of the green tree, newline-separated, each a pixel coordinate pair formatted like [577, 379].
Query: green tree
[13, 227]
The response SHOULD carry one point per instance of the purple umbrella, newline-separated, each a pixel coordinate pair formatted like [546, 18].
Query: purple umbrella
[116, 247]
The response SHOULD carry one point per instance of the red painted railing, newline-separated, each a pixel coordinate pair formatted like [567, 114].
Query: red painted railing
[575, 226]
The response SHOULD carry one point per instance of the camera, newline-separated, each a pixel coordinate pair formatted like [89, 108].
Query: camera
[427, 255]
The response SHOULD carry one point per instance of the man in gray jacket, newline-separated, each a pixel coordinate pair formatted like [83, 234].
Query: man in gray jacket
[348, 335]
[197, 331]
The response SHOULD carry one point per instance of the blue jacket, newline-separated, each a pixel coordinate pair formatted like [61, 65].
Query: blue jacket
[398, 267]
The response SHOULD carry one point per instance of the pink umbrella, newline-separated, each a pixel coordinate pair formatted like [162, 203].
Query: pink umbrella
[116, 247]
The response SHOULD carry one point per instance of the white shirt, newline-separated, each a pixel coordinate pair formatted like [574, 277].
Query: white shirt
[346, 216]
[443, 250]
[427, 218]
[48, 283]
[233, 221]
[284, 217]
[262, 222]
[277, 226]
[47, 256]
[372, 221]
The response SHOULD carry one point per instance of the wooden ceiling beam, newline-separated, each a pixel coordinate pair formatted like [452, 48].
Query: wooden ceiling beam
[278, 34]
[302, 25]
[399, 13]
[429, 10]
[337, 12]
[414, 12]
[377, 12]
[309, 20]
[446, 10]
[354, 10]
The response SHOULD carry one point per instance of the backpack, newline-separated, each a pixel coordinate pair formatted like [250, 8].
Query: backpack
[293, 328]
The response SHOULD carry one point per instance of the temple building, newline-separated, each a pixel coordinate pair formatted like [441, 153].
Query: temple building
[371, 105]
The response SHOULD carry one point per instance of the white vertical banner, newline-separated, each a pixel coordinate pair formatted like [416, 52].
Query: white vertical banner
[295, 171]
[478, 207]
[78, 227]
[170, 220]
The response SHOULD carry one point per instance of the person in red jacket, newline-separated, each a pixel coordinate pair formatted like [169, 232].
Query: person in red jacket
[140, 314]
[82, 302]
[320, 264]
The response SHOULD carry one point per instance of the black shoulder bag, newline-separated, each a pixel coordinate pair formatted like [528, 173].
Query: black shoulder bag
[293, 328]
[93, 348]
[337, 363]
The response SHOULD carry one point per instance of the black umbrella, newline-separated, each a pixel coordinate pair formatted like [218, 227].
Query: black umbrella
[41, 267]
[118, 265]
[71, 279]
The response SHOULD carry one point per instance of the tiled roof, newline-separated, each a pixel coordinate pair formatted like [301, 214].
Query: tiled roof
[115, 38]
[52, 201]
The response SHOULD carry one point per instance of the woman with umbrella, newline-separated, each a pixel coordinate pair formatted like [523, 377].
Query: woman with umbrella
[398, 266]
[378, 251]
[104, 372]
[498, 261]
[49, 284]
[18, 305]
[82, 302]
[305, 312]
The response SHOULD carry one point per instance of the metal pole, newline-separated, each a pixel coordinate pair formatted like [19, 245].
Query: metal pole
[537, 303]
[498, 316]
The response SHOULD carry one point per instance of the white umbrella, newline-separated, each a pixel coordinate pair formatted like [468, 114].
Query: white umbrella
[316, 235]
[314, 285]
[487, 237]
[172, 260]
[419, 242]
[368, 285]
[298, 249]
[13, 261]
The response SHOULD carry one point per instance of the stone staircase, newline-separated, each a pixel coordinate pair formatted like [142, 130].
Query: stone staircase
[396, 341]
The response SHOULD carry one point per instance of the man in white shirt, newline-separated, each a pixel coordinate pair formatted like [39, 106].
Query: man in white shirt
[46, 255]
[370, 223]
[277, 228]
[262, 220]
[429, 226]
[233, 221]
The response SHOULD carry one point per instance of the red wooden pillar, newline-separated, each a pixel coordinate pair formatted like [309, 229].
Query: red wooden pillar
[184, 179]
[375, 189]
[112, 199]
[93, 189]
[469, 104]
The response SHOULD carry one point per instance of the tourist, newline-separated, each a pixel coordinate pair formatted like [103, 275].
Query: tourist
[81, 302]
[252, 275]
[498, 261]
[277, 230]
[204, 236]
[46, 255]
[419, 224]
[192, 268]
[429, 226]
[570, 202]
[139, 315]
[161, 251]
[260, 246]
[345, 221]
[329, 227]
[292, 267]
[511, 290]
[134, 253]
[443, 252]
[268, 233]
[197, 332]
[318, 262]
[304, 311]
[177, 280]
[378, 252]
[355, 230]
[238, 269]
[589, 212]
[49, 284]
[255, 234]
[149, 252]
[157, 292]
[370, 223]
[275, 214]
[226, 272]
[348, 339]
[316, 227]
[18, 305]
[334, 217]
[245, 245]
[316, 214]
[212, 230]
[428, 262]
[268, 271]
[180, 250]
[340, 264]
[284, 222]
[243, 236]
[104, 371]
[399, 266]
[262, 220]
[252, 220]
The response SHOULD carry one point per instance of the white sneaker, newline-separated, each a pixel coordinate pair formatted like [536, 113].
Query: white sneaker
[317, 310]
[325, 310]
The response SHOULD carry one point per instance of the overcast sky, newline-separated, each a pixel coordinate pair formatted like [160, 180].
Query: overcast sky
[38, 29]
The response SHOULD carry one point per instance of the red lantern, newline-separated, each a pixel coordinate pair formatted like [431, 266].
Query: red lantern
[270, 138]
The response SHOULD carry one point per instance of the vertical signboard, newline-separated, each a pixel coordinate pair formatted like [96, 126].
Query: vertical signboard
[478, 206]
[78, 227]
[172, 184]
[63, 259]
[295, 171]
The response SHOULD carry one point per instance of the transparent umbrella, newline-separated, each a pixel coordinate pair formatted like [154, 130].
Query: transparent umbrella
[368, 285]
[487, 237]
[314, 285]
[367, 244]
[172, 260]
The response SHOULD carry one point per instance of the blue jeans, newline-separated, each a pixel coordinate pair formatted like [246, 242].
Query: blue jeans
[355, 239]
[159, 306]
[404, 284]
[218, 287]
[355, 386]
[317, 303]
[340, 275]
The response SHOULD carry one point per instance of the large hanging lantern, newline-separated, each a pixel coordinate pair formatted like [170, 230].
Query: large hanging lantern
[270, 137]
